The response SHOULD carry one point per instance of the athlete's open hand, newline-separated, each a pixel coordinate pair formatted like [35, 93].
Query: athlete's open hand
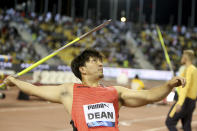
[178, 108]
[176, 81]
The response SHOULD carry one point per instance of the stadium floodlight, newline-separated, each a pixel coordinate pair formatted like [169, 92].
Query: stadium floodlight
[123, 19]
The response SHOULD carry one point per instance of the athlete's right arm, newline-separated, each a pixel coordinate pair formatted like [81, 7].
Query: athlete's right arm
[50, 93]
[138, 98]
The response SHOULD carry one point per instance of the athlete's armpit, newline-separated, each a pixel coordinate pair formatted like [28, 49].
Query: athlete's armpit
[64, 93]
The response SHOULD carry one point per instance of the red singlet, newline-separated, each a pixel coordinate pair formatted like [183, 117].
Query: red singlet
[95, 108]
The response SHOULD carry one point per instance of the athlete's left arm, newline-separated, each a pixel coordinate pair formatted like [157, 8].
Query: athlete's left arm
[137, 98]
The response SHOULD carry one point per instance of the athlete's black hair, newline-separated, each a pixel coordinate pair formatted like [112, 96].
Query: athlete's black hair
[81, 59]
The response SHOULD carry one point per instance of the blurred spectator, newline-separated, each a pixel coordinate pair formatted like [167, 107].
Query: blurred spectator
[55, 31]
[59, 30]
[136, 83]
[176, 40]
[11, 42]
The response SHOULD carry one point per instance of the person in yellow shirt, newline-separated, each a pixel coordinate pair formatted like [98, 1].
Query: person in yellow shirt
[186, 103]
[137, 84]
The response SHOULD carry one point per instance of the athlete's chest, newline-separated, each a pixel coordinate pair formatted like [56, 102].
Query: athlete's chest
[92, 95]
[97, 106]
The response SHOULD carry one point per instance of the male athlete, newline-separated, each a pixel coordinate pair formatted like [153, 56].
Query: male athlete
[186, 103]
[94, 107]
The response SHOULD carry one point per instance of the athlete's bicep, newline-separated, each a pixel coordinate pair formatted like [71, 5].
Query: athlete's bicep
[51, 93]
[133, 98]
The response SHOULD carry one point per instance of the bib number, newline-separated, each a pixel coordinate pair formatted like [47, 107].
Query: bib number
[99, 114]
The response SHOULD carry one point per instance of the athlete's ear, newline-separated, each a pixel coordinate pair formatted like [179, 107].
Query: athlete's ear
[82, 70]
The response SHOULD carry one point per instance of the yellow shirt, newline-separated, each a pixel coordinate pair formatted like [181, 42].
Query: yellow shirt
[137, 84]
[190, 89]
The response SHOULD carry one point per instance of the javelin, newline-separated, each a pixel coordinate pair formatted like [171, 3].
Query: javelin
[164, 49]
[57, 51]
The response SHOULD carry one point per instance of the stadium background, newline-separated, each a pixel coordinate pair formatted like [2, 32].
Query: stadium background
[30, 30]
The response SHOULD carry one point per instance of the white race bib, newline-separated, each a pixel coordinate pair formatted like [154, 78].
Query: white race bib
[99, 114]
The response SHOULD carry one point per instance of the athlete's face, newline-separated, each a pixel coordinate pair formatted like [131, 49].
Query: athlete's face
[184, 59]
[94, 67]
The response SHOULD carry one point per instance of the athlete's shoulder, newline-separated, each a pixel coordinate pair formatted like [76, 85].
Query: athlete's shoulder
[67, 85]
[195, 69]
[120, 88]
[192, 68]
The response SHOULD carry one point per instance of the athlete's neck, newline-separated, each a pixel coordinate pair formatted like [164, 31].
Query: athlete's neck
[188, 63]
[90, 82]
